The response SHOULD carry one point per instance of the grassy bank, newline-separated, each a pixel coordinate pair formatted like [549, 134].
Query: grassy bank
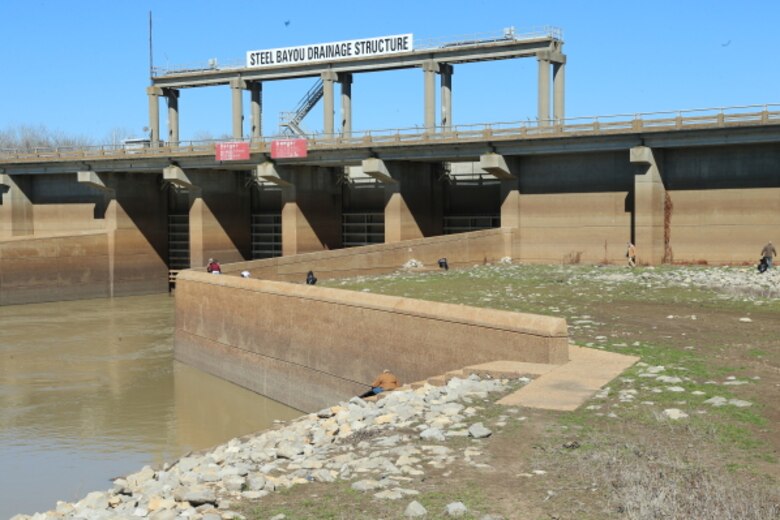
[709, 351]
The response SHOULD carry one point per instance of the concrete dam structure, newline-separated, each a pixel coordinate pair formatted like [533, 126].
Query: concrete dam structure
[114, 223]
[693, 186]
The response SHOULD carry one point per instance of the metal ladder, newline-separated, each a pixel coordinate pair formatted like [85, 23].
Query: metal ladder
[290, 122]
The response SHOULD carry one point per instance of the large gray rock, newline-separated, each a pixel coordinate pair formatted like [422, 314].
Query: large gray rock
[254, 495]
[322, 475]
[478, 431]
[456, 509]
[358, 402]
[674, 414]
[366, 485]
[165, 514]
[289, 451]
[235, 468]
[415, 510]
[432, 434]
[187, 464]
[389, 494]
[210, 474]
[94, 500]
[135, 480]
[255, 482]
[233, 483]
[195, 495]
[326, 413]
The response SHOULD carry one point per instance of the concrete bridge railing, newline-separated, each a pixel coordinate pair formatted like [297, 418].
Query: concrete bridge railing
[739, 116]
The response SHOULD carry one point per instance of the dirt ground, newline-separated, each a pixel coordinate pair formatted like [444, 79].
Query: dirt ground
[617, 456]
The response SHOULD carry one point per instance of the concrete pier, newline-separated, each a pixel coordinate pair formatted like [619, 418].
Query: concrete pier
[649, 203]
[311, 211]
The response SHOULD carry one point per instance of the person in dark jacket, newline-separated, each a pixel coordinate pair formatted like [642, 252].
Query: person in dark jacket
[768, 253]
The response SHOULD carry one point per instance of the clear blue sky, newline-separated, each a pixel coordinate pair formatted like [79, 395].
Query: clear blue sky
[81, 66]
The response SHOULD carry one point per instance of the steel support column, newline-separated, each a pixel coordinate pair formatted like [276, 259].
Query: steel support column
[345, 80]
[328, 78]
[256, 93]
[430, 68]
[172, 95]
[154, 94]
[446, 72]
[558, 89]
[543, 115]
[237, 86]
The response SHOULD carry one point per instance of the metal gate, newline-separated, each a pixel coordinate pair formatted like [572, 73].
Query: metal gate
[178, 242]
[266, 235]
[464, 223]
[362, 229]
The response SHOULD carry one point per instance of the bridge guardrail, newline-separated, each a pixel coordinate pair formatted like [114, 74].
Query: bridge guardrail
[768, 114]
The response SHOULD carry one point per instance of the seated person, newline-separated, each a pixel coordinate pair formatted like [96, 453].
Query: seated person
[213, 266]
[384, 382]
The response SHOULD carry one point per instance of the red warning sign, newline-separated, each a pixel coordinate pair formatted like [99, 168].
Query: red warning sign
[238, 151]
[289, 148]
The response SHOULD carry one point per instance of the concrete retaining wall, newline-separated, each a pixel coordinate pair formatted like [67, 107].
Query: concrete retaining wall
[477, 247]
[572, 228]
[723, 226]
[311, 346]
[67, 267]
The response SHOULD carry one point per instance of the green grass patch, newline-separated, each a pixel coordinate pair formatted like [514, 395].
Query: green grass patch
[625, 311]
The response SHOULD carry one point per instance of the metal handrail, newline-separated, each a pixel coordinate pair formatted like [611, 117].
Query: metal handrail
[616, 123]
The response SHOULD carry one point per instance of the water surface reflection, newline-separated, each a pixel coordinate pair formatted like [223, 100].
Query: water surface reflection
[89, 390]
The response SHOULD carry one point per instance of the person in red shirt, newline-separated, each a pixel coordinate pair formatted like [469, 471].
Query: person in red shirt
[213, 266]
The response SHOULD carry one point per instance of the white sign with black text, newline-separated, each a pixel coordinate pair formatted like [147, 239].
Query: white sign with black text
[319, 52]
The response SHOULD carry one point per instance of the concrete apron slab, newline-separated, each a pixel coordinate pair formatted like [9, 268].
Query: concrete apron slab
[566, 387]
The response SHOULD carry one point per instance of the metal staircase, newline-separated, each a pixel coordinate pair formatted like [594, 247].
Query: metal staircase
[290, 122]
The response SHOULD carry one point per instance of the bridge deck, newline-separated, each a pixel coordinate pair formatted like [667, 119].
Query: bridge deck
[488, 134]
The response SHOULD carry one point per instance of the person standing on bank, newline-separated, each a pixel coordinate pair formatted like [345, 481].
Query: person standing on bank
[384, 382]
[213, 267]
[631, 254]
[769, 252]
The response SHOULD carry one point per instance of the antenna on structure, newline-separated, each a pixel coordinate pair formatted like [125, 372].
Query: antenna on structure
[151, 58]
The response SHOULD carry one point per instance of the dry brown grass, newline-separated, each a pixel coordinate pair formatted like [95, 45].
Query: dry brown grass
[662, 482]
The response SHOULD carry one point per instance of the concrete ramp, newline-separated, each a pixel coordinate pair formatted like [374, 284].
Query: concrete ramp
[554, 387]
[566, 387]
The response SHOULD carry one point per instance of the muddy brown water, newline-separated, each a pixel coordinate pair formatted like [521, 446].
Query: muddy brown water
[89, 390]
